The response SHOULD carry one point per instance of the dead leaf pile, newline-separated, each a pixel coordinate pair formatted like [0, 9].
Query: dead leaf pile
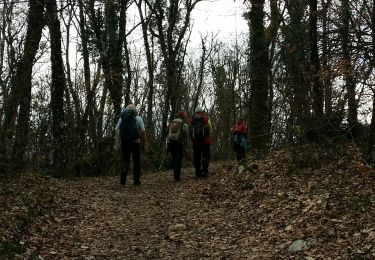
[324, 212]
[22, 200]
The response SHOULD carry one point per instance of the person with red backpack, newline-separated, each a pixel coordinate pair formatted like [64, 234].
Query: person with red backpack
[239, 135]
[178, 134]
[200, 134]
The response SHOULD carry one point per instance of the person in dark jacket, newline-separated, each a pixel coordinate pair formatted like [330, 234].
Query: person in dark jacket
[177, 137]
[200, 134]
[133, 135]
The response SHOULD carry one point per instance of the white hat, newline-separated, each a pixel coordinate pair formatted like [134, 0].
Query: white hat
[198, 109]
[131, 107]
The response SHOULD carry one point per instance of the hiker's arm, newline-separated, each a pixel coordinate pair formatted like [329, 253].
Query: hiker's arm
[144, 140]
[142, 129]
[118, 124]
[209, 124]
[186, 134]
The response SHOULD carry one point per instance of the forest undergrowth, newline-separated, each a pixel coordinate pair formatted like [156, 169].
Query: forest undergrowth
[310, 202]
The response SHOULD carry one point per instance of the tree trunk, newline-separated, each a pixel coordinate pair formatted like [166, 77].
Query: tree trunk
[23, 80]
[326, 57]
[173, 85]
[3, 88]
[100, 113]
[200, 75]
[171, 25]
[57, 87]
[88, 120]
[129, 74]
[73, 119]
[122, 41]
[114, 53]
[258, 77]
[295, 65]
[110, 49]
[271, 35]
[348, 70]
[317, 89]
[371, 140]
[150, 70]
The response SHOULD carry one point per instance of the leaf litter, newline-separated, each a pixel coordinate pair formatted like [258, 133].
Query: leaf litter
[256, 214]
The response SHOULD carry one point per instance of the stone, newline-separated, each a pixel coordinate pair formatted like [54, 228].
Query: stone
[177, 227]
[298, 245]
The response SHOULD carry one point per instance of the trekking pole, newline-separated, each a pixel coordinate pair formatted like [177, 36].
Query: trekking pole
[165, 155]
[162, 160]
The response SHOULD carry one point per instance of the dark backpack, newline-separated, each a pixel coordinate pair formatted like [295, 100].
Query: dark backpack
[129, 128]
[175, 129]
[199, 129]
[236, 139]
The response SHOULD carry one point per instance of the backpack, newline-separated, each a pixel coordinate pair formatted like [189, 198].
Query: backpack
[236, 140]
[175, 129]
[239, 128]
[199, 129]
[129, 129]
[239, 140]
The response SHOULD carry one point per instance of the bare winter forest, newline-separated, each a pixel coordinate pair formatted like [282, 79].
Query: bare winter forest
[301, 77]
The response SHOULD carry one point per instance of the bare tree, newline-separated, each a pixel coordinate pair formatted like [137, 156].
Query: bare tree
[258, 77]
[145, 22]
[88, 119]
[57, 86]
[317, 88]
[371, 140]
[109, 29]
[171, 21]
[295, 60]
[20, 94]
[206, 54]
[271, 37]
[326, 71]
[348, 71]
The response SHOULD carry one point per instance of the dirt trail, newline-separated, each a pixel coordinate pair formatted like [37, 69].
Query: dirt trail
[257, 214]
[97, 218]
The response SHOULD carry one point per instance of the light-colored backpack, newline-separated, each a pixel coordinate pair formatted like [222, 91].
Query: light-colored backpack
[175, 129]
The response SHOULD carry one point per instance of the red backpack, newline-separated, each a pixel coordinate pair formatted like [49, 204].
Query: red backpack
[239, 128]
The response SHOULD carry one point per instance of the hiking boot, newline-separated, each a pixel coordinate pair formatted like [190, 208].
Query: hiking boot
[205, 175]
[137, 183]
[123, 179]
[177, 179]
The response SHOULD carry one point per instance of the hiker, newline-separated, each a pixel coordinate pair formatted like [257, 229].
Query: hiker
[177, 137]
[200, 134]
[133, 135]
[239, 135]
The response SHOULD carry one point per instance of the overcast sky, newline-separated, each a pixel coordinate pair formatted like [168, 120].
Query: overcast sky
[218, 16]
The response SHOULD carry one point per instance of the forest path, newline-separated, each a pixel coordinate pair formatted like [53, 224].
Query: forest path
[262, 212]
[97, 218]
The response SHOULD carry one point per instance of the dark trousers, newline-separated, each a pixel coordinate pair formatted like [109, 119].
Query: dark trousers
[240, 151]
[202, 156]
[177, 152]
[133, 149]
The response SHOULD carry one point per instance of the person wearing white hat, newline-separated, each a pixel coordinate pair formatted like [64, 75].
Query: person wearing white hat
[133, 135]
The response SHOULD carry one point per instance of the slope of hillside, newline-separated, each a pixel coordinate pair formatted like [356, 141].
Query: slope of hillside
[323, 208]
